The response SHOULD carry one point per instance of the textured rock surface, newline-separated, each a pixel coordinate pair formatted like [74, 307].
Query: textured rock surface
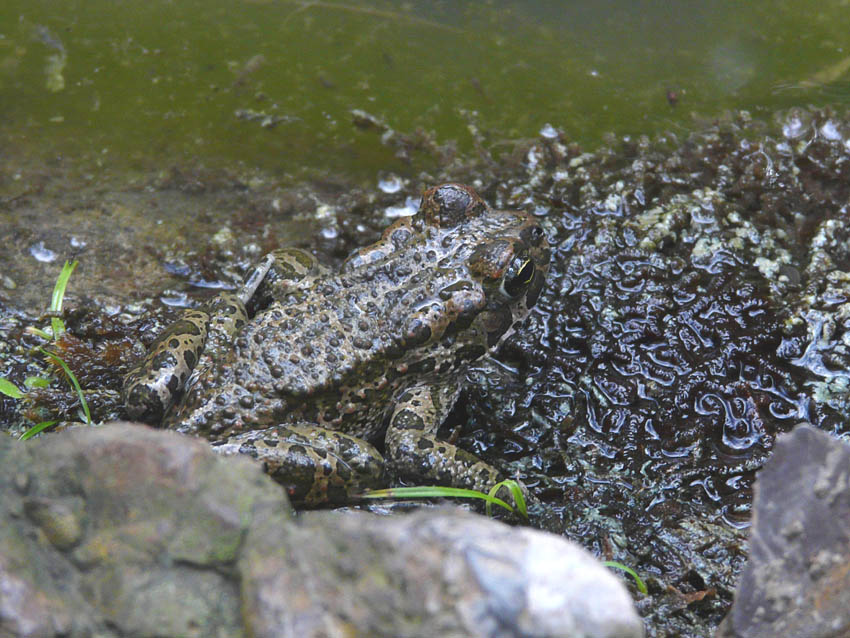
[124, 527]
[431, 573]
[797, 579]
[128, 531]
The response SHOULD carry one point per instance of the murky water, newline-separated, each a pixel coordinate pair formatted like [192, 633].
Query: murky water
[272, 83]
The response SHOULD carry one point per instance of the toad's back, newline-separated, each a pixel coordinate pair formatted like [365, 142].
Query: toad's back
[420, 304]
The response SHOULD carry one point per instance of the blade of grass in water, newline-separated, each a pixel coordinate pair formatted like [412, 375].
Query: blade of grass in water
[638, 581]
[38, 332]
[36, 429]
[435, 492]
[73, 380]
[516, 493]
[58, 295]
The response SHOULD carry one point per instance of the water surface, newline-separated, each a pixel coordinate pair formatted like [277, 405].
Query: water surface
[272, 84]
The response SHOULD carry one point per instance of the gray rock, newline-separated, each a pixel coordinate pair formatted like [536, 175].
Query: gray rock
[127, 531]
[797, 579]
[123, 530]
[432, 573]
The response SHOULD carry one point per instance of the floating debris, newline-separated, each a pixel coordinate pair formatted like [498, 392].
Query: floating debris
[266, 120]
[390, 184]
[549, 132]
[366, 121]
[41, 253]
[56, 62]
[249, 68]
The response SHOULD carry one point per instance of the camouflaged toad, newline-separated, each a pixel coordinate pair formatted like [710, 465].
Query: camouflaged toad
[336, 362]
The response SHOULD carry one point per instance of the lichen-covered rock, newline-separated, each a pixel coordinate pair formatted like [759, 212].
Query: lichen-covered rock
[126, 528]
[127, 531]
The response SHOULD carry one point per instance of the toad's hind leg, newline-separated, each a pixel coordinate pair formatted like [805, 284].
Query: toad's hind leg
[150, 388]
[417, 454]
[316, 465]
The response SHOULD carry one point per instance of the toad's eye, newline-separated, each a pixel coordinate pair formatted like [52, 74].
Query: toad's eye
[519, 275]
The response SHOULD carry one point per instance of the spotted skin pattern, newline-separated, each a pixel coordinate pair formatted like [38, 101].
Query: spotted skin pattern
[336, 362]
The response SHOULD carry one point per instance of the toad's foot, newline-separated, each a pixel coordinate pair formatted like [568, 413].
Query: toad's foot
[417, 454]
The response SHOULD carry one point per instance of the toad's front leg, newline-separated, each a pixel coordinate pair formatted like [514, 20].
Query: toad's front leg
[417, 454]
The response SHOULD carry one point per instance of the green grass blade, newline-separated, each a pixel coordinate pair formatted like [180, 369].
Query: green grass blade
[435, 491]
[516, 493]
[57, 325]
[10, 389]
[73, 380]
[38, 332]
[36, 429]
[638, 581]
[61, 285]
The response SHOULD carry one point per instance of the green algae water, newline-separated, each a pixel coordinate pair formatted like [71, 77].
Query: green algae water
[272, 84]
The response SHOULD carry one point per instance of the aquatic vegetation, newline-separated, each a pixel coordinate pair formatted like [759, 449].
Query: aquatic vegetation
[436, 491]
[638, 580]
[51, 334]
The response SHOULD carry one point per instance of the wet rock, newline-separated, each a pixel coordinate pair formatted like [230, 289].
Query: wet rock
[797, 582]
[431, 573]
[124, 530]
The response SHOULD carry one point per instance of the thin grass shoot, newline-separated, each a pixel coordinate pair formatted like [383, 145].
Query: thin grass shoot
[638, 581]
[435, 491]
[57, 325]
[516, 493]
[39, 427]
[76, 384]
